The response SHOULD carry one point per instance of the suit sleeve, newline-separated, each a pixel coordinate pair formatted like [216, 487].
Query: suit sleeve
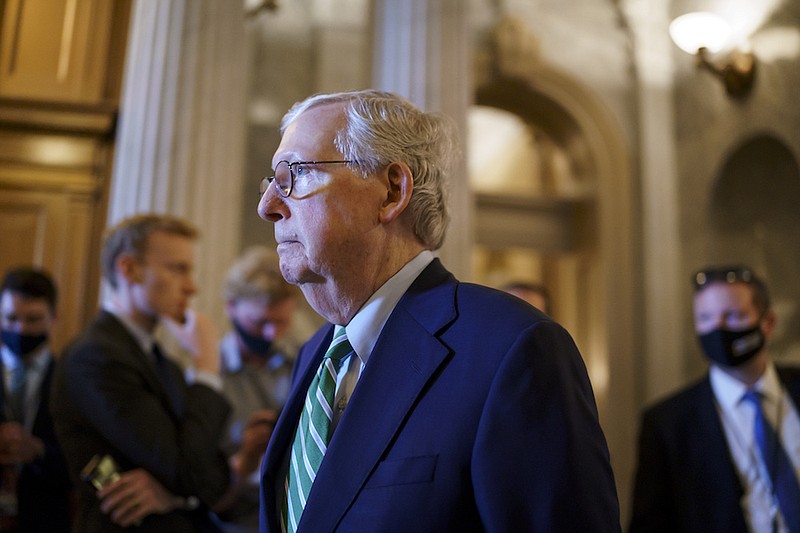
[653, 508]
[113, 397]
[540, 461]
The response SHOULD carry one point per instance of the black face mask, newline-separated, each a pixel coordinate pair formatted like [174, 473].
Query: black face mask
[732, 348]
[257, 345]
[21, 344]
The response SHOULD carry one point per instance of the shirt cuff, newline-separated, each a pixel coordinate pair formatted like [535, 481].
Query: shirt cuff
[201, 377]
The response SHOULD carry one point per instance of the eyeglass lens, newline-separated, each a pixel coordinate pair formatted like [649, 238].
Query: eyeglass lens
[282, 179]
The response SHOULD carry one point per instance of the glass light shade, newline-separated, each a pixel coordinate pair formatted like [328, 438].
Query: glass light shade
[693, 31]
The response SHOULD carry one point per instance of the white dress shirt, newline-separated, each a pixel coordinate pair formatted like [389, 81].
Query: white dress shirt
[37, 362]
[738, 419]
[366, 326]
[146, 339]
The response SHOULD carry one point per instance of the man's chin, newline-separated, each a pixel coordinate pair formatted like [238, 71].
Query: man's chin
[299, 275]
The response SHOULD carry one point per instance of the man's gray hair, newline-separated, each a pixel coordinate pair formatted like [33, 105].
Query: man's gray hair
[382, 128]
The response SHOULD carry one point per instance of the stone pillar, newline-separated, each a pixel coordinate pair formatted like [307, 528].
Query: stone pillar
[422, 53]
[181, 137]
[663, 360]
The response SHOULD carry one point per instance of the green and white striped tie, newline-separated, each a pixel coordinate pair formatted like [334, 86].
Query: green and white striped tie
[313, 431]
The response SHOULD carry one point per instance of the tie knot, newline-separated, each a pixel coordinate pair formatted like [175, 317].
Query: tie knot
[753, 396]
[340, 346]
[157, 353]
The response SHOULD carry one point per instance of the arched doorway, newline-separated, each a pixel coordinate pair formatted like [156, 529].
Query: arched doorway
[563, 214]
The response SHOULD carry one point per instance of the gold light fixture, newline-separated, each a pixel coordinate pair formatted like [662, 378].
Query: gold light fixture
[706, 34]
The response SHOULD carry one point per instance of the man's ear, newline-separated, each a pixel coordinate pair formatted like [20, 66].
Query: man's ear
[230, 306]
[129, 268]
[768, 323]
[400, 188]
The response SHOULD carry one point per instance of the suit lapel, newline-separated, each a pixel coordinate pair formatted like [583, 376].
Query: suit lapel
[405, 357]
[4, 408]
[280, 443]
[111, 325]
[791, 380]
[717, 463]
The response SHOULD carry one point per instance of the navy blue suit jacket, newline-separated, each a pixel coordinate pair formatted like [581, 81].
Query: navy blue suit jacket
[686, 481]
[474, 413]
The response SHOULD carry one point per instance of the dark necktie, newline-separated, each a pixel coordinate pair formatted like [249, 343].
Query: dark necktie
[168, 380]
[16, 391]
[779, 467]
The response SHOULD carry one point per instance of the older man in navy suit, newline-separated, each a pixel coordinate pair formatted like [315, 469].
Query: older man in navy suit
[427, 404]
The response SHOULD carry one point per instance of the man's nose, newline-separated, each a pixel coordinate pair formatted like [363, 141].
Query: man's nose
[268, 331]
[191, 285]
[720, 322]
[272, 207]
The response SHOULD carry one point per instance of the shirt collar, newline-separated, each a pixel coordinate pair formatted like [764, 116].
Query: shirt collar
[729, 390]
[365, 328]
[35, 360]
[143, 338]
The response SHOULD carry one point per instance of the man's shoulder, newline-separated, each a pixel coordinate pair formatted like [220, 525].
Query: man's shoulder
[682, 402]
[788, 373]
[487, 302]
[104, 334]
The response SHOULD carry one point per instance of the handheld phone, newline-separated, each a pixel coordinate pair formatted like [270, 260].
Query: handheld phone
[100, 471]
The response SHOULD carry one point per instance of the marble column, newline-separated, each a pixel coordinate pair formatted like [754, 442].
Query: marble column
[664, 368]
[422, 53]
[181, 137]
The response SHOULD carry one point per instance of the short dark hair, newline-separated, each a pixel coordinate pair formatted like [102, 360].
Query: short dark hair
[31, 282]
[734, 274]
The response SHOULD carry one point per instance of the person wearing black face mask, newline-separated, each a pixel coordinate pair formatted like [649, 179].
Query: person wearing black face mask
[35, 489]
[721, 455]
[257, 356]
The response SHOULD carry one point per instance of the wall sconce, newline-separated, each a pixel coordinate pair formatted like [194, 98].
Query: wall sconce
[705, 34]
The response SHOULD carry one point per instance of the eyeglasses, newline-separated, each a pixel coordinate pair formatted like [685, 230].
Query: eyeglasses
[286, 174]
[725, 275]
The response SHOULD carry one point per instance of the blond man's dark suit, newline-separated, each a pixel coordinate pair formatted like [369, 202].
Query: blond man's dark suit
[108, 399]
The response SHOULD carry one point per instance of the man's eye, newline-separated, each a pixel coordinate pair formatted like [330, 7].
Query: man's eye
[300, 170]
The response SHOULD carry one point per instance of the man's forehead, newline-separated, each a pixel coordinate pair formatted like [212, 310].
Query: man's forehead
[721, 293]
[311, 134]
[168, 245]
[10, 300]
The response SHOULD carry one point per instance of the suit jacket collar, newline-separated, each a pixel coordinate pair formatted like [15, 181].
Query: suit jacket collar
[713, 444]
[131, 348]
[47, 363]
[375, 411]
[790, 377]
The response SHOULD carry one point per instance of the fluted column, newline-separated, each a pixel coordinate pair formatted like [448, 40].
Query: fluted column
[421, 52]
[181, 138]
[663, 362]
